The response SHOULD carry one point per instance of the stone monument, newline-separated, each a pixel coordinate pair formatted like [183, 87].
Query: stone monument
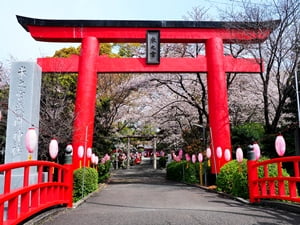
[23, 112]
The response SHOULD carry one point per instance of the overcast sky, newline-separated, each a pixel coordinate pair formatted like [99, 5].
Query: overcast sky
[16, 42]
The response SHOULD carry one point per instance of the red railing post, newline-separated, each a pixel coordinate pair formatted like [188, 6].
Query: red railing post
[26, 196]
[252, 178]
[69, 182]
[69, 176]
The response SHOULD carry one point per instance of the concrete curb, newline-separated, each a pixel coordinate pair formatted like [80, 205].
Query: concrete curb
[45, 215]
[295, 208]
[291, 207]
[78, 203]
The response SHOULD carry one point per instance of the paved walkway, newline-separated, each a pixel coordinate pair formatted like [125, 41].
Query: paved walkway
[142, 196]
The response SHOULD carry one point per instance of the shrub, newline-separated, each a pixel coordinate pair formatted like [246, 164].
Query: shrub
[242, 134]
[85, 182]
[183, 171]
[103, 171]
[162, 162]
[174, 171]
[233, 180]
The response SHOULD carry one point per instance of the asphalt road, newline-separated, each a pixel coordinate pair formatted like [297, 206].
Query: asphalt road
[142, 196]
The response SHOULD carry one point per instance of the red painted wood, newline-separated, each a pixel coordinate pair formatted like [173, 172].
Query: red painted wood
[217, 101]
[138, 65]
[1, 213]
[85, 98]
[252, 181]
[34, 197]
[7, 181]
[273, 191]
[138, 35]
[12, 210]
[25, 197]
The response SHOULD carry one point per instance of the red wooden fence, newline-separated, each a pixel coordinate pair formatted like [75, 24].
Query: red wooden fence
[280, 187]
[52, 185]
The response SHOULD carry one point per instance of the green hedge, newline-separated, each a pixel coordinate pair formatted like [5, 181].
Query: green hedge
[233, 179]
[85, 182]
[183, 171]
[103, 171]
[162, 162]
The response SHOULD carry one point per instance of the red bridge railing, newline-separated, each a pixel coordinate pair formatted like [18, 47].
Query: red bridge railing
[49, 184]
[280, 187]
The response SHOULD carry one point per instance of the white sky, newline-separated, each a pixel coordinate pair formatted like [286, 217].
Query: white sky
[17, 43]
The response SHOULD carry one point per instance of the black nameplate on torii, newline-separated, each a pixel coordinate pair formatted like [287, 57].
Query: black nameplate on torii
[153, 47]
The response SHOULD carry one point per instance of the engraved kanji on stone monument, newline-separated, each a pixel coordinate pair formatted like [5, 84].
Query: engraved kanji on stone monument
[24, 109]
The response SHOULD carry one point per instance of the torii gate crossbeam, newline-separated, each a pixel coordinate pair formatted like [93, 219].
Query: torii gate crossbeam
[92, 32]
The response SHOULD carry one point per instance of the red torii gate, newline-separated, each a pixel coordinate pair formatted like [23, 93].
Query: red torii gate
[92, 32]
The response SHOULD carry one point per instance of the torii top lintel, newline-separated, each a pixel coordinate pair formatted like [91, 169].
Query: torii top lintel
[123, 31]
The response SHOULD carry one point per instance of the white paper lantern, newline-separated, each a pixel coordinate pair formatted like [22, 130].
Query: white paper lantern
[256, 150]
[194, 159]
[89, 152]
[208, 153]
[239, 155]
[31, 140]
[219, 152]
[80, 151]
[280, 145]
[227, 155]
[53, 148]
[200, 157]
[93, 158]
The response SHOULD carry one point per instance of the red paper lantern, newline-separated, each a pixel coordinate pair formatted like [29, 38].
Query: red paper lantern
[31, 140]
[53, 148]
[187, 157]
[180, 154]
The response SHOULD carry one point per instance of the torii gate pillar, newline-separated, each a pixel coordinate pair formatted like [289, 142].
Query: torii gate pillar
[217, 99]
[83, 128]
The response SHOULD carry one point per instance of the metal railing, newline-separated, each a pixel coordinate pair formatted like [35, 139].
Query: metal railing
[44, 185]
